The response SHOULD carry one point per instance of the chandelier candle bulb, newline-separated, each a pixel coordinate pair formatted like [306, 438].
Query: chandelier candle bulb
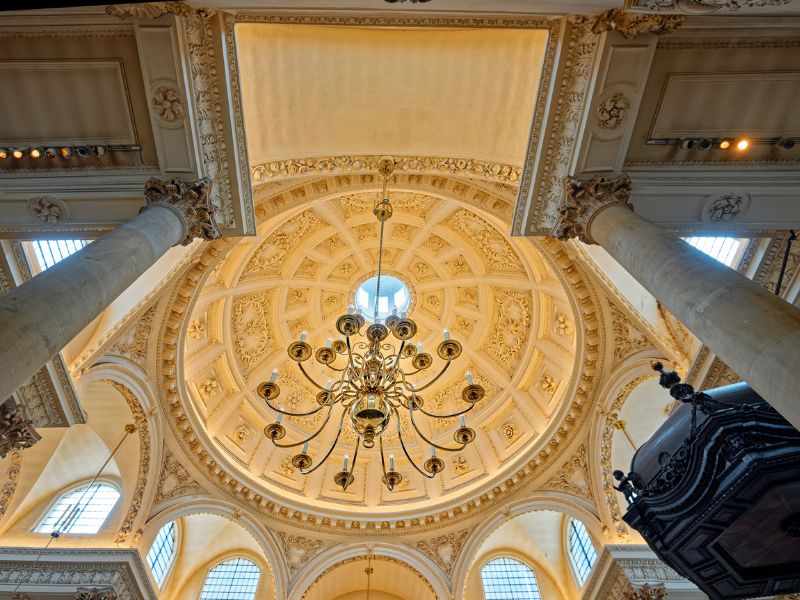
[328, 342]
[433, 450]
[446, 334]
[279, 418]
[274, 376]
[391, 462]
[344, 463]
[468, 376]
[329, 385]
[303, 336]
[419, 347]
[305, 448]
[463, 421]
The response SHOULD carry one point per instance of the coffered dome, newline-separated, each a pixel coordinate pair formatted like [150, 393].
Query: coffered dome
[497, 295]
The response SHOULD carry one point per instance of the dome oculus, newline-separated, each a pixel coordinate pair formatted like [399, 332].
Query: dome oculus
[394, 297]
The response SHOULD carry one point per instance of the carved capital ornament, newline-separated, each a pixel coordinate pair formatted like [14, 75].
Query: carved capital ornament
[583, 200]
[190, 201]
[633, 24]
[16, 432]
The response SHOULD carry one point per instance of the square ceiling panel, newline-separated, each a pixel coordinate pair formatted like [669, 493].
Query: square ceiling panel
[314, 91]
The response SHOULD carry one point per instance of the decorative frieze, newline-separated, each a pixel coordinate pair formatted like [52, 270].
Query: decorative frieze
[10, 484]
[700, 6]
[84, 574]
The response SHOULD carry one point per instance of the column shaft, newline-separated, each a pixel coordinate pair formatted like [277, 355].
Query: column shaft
[41, 316]
[756, 333]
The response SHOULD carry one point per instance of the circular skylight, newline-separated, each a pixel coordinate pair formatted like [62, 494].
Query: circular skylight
[394, 296]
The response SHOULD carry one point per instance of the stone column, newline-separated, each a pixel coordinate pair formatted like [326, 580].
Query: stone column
[756, 333]
[39, 317]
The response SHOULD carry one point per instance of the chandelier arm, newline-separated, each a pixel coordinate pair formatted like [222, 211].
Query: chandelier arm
[328, 453]
[304, 372]
[383, 460]
[435, 379]
[315, 434]
[405, 450]
[355, 455]
[447, 416]
[435, 445]
[293, 414]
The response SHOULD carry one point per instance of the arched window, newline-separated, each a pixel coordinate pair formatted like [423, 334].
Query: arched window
[234, 579]
[581, 551]
[508, 579]
[162, 552]
[83, 510]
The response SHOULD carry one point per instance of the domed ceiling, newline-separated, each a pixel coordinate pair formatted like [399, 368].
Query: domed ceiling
[497, 295]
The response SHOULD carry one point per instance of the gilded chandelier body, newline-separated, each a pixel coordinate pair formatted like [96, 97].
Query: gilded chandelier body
[371, 383]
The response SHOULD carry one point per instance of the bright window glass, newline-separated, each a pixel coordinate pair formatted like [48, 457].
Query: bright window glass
[724, 249]
[394, 296]
[582, 554]
[162, 552]
[83, 510]
[235, 579]
[50, 252]
[508, 579]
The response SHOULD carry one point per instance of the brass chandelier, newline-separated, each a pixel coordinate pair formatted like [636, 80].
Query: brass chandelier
[371, 384]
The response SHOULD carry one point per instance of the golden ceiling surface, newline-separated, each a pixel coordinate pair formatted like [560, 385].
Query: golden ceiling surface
[498, 296]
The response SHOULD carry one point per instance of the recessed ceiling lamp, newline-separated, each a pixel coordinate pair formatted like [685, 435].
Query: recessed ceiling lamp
[724, 144]
[373, 385]
[742, 144]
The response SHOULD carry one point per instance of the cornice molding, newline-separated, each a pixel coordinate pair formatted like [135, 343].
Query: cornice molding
[65, 570]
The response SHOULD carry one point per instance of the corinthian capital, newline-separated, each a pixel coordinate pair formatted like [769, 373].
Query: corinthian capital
[583, 200]
[190, 201]
[16, 431]
[106, 593]
[632, 24]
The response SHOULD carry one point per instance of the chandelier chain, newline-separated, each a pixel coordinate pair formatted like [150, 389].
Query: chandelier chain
[380, 266]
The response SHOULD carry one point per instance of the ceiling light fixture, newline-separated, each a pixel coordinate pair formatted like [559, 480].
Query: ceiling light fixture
[724, 144]
[742, 144]
[35, 152]
[4, 152]
[17, 153]
[374, 384]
